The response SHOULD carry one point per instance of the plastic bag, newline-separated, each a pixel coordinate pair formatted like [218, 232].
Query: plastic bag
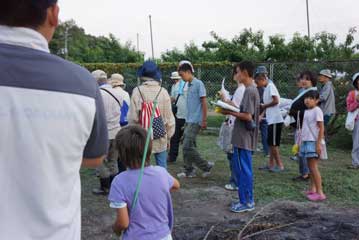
[225, 137]
[323, 150]
[350, 121]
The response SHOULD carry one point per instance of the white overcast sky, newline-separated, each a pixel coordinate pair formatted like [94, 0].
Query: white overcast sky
[178, 22]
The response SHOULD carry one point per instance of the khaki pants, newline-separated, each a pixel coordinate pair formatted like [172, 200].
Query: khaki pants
[190, 153]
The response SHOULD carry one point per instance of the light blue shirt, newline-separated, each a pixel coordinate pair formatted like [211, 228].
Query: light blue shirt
[196, 91]
[180, 88]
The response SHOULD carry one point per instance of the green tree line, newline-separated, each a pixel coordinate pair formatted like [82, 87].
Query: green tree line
[248, 44]
[251, 45]
[85, 48]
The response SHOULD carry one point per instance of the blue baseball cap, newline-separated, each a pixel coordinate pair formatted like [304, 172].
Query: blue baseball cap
[149, 69]
[261, 70]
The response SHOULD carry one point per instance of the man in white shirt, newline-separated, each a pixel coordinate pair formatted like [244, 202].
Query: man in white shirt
[53, 122]
[109, 169]
[274, 118]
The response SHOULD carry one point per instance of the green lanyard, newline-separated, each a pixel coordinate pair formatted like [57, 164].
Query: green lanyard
[149, 134]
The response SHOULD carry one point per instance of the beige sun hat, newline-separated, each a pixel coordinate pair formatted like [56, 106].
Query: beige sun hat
[99, 75]
[117, 80]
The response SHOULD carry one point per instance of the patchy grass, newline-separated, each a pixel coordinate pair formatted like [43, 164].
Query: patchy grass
[340, 184]
[202, 203]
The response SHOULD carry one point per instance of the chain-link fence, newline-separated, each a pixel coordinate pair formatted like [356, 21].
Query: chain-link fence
[283, 74]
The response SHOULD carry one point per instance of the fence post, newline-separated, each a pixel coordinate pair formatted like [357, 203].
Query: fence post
[271, 71]
[199, 73]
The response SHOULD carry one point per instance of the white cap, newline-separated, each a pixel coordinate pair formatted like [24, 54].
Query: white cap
[186, 62]
[355, 76]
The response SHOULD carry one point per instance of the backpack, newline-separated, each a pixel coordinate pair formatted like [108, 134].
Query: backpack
[158, 127]
[123, 109]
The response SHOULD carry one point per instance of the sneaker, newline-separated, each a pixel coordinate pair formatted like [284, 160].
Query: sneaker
[231, 187]
[191, 174]
[353, 167]
[209, 168]
[238, 208]
[294, 158]
[300, 178]
[264, 168]
[276, 169]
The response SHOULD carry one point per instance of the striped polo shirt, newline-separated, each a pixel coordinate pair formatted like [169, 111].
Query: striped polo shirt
[52, 116]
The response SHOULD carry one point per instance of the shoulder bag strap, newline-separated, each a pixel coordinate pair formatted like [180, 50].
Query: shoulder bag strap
[178, 95]
[111, 95]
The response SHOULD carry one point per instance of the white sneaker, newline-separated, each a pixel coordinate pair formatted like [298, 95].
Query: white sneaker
[208, 172]
[186, 175]
[230, 187]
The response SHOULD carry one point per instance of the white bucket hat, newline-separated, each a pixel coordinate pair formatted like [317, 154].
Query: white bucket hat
[175, 76]
[326, 73]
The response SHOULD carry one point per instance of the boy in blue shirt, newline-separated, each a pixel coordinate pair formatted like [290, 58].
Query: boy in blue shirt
[196, 119]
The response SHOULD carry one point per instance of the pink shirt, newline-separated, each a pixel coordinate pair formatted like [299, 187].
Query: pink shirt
[352, 103]
[310, 129]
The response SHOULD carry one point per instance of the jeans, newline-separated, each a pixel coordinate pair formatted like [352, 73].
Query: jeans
[161, 159]
[175, 140]
[263, 125]
[242, 160]
[327, 119]
[233, 178]
[303, 166]
[355, 151]
[190, 154]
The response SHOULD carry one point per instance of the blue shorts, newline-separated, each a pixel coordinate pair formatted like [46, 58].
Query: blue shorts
[308, 149]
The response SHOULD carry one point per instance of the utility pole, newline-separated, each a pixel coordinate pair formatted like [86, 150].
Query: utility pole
[66, 41]
[153, 53]
[308, 19]
[138, 43]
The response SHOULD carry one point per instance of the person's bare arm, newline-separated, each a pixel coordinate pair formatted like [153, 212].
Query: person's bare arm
[122, 221]
[92, 162]
[320, 136]
[204, 112]
[274, 102]
[176, 185]
[241, 116]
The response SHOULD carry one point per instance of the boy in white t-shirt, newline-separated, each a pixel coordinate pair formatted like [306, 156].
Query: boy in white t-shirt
[275, 121]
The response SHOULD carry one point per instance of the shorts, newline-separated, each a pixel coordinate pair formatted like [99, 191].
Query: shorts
[274, 134]
[308, 149]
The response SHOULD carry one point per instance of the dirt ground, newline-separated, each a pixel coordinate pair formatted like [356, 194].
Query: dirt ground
[201, 212]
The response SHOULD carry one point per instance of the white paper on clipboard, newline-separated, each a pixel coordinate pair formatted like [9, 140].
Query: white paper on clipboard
[224, 92]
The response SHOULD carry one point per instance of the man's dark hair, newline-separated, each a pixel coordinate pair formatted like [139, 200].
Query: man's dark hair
[309, 76]
[185, 67]
[234, 70]
[355, 83]
[130, 142]
[24, 13]
[312, 95]
[247, 66]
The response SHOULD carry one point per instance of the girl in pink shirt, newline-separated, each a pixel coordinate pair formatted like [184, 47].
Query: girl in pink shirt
[353, 105]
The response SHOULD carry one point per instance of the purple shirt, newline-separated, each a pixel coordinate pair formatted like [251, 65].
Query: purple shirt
[152, 217]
